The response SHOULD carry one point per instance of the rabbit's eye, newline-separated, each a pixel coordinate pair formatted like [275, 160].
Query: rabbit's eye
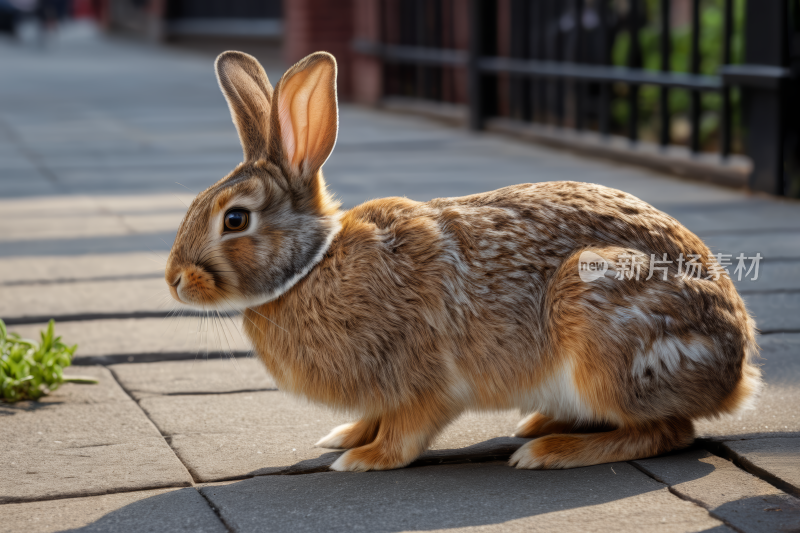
[236, 220]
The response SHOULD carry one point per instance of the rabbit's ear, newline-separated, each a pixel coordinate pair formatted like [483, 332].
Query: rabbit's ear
[305, 114]
[249, 94]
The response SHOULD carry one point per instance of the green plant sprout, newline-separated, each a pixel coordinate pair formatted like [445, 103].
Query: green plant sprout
[30, 369]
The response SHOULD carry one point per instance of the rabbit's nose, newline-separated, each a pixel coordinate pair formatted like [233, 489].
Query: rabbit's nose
[173, 287]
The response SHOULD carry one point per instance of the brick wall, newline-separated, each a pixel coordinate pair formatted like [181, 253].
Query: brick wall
[327, 25]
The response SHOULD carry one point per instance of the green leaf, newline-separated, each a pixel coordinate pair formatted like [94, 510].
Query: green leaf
[30, 370]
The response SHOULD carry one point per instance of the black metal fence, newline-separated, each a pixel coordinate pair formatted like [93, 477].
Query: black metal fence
[726, 70]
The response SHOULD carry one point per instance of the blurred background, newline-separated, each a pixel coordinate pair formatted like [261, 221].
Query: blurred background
[680, 78]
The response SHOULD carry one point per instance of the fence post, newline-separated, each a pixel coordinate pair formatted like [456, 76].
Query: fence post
[766, 99]
[475, 88]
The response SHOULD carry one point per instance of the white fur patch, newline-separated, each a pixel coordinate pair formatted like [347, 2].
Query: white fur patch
[558, 398]
[667, 352]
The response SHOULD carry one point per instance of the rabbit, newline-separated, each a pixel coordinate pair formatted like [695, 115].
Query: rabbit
[406, 314]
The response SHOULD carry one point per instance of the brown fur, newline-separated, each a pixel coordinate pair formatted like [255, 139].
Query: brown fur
[409, 313]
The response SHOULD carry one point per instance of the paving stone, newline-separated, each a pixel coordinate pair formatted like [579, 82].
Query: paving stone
[157, 243]
[777, 459]
[193, 377]
[83, 440]
[770, 244]
[17, 228]
[775, 312]
[780, 358]
[747, 215]
[730, 494]
[229, 436]
[20, 227]
[86, 299]
[53, 269]
[123, 340]
[773, 276]
[179, 510]
[480, 497]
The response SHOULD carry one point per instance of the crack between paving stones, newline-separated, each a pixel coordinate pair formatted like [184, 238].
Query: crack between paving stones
[80, 317]
[119, 382]
[216, 393]
[215, 511]
[684, 497]
[90, 494]
[156, 357]
[770, 291]
[746, 231]
[755, 436]
[57, 281]
[776, 331]
[720, 450]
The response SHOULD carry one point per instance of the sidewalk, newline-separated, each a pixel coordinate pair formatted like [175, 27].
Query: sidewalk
[102, 144]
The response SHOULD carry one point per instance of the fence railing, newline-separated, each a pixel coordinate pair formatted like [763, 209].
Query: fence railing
[601, 64]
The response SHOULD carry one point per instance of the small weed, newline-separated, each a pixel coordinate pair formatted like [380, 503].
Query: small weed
[30, 369]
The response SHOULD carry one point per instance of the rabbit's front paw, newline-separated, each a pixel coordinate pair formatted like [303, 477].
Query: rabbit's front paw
[373, 457]
[347, 462]
[552, 451]
[525, 457]
[350, 435]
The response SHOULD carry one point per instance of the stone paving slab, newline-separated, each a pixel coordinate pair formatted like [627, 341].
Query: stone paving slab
[228, 436]
[771, 245]
[193, 377]
[775, 312]
[21, 228]
[777, 459]
[773, 276]
[54, 269]
[78, 205]
[480, 497]
[86, 298]
[83, 440]
[730, 494]
[130, 339]
[158, 243]
[747, 215]
[780, 358]
[179, 510]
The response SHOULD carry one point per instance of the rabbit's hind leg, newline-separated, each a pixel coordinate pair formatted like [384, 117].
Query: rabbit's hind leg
[351, 435]
[622, 444]
[539, 425]
[402, 436]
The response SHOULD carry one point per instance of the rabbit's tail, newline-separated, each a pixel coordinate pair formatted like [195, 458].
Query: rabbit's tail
[625, 443]
[748, 389]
